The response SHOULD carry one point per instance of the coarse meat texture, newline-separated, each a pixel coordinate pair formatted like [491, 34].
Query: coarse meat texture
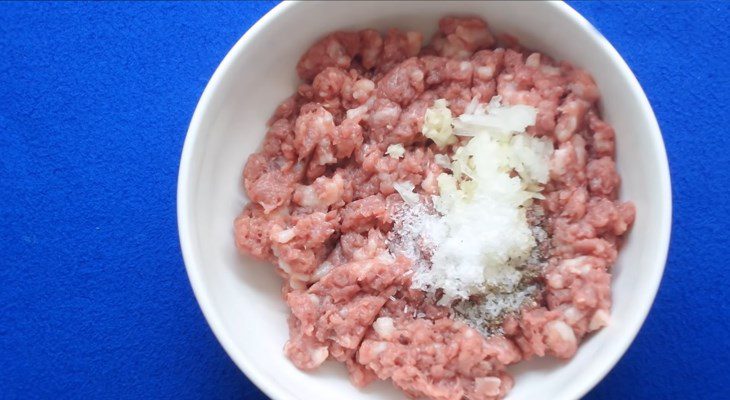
[321, 200]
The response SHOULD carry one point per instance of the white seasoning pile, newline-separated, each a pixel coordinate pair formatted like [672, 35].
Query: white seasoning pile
[473, 240]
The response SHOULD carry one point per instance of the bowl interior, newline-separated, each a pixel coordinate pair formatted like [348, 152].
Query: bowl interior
[241, 298]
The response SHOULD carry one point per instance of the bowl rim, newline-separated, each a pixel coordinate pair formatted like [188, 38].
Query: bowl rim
[186, 227]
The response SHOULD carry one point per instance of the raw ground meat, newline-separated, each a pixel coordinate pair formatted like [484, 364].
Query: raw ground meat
[321, 191]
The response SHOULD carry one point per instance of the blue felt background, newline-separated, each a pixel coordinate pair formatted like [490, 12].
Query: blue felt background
[95, 100]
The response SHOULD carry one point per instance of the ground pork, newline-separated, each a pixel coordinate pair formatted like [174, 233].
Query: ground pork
[321, 193]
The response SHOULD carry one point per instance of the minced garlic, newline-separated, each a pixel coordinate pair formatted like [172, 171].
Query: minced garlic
[437, 124]
[396, 150]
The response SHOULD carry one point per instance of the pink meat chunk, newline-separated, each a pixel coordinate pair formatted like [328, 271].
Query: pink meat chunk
[252, 229]
[460, 37]
[364, 214]
[333, 315]
[335, 50]
[438, 359]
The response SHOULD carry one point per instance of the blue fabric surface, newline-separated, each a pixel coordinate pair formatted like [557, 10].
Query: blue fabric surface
[95, 100]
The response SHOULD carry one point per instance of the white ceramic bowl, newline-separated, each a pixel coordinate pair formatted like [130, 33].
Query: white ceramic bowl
[241, 299]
